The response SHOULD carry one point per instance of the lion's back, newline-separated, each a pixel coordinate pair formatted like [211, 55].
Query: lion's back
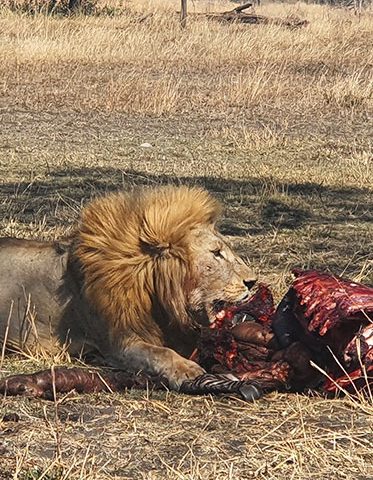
[31, 274]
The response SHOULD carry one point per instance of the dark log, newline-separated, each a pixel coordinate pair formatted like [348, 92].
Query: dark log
[243, 7]
[238, 16]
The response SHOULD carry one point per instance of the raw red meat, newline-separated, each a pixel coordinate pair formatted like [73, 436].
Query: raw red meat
[252, 347]
[241, 341]
[334, 318]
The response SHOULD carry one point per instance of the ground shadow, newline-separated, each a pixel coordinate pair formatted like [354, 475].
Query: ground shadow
[298, 204]
[252, 206]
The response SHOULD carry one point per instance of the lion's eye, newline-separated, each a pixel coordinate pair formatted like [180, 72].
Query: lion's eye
[218, 253]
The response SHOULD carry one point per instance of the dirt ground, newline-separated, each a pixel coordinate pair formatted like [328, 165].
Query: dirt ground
[294, 172]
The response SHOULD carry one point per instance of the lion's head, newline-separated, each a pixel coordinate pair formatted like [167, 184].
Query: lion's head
[221, 277]
[157, 250]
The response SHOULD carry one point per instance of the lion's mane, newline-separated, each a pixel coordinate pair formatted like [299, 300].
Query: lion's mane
[135, 251]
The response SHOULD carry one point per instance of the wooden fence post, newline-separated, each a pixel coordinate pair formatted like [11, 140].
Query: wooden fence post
[183, 14]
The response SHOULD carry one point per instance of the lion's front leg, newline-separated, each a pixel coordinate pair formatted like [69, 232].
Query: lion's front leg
[163, 361]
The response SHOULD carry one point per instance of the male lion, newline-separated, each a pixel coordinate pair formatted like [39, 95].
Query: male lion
[134, 281]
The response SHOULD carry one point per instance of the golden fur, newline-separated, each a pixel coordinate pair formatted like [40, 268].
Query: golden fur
[137, 248]
[140, 272]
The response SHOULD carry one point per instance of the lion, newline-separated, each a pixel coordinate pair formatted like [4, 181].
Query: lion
[135, 281]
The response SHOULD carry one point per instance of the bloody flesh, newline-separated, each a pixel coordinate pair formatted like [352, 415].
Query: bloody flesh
[253, 347]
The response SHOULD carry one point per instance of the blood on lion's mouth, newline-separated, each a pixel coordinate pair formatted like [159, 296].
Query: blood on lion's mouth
[258, 305]
[224, 305]
[230, 311]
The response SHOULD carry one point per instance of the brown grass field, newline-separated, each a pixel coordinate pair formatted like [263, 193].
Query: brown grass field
[277, 123]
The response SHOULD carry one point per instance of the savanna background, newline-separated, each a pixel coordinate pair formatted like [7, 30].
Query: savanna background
[277, 123]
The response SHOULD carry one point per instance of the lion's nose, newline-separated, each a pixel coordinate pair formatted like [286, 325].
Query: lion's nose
[249, 283]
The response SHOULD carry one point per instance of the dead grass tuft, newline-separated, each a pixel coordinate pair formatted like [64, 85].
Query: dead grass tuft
[349, 92]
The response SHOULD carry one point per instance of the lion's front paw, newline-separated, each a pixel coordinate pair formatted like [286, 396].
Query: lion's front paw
[180, 370]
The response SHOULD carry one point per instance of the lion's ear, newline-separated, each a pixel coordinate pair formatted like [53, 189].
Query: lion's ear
[156, 249]
[170, 283]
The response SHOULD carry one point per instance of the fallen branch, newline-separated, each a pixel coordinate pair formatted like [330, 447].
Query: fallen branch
[243, 7]
[237, 15]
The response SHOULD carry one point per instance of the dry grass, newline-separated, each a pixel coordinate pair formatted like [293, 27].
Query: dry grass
[277, 123]
[175, 437]
[144, 63]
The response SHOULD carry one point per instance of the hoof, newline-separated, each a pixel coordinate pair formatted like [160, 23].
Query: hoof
[250, 392]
